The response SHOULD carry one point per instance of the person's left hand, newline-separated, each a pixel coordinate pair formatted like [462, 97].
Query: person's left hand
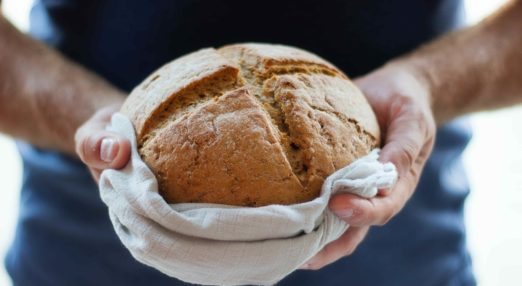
[98, 148]
[400, 97]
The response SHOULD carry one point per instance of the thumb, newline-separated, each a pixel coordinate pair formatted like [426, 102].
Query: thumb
[100, 149]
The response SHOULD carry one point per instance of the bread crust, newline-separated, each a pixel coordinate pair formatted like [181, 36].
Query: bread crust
[249, 125]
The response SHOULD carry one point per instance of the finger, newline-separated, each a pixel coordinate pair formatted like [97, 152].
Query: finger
[405, 138]
[359, 211]
[337, 249]
[100, 149]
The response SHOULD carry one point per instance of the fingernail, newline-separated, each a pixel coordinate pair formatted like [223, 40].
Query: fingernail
[345, 213]
[108, 150]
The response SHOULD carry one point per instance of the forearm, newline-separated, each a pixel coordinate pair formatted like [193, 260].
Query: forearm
[474, 69]
[43, 96]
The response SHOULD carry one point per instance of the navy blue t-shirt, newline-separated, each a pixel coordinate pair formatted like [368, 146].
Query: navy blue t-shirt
[64, 236]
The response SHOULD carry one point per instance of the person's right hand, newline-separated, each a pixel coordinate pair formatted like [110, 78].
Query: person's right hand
[98, 148]
[401, 99]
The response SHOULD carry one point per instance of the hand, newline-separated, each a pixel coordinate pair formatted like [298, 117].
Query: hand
[98, 148]
[401, 100]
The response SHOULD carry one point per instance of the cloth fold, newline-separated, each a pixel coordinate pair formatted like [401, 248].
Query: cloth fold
[214, 244]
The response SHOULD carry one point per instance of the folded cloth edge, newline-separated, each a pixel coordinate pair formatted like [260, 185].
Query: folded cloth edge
[171, 238]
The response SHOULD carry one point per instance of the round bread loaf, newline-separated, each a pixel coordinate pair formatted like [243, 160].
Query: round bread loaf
[249, 125]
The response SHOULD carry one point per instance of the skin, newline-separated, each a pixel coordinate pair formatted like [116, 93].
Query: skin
[474, 69]
[401, 104]
[40, 92]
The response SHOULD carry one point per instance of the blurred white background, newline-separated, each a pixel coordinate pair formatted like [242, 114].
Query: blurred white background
[493, 160]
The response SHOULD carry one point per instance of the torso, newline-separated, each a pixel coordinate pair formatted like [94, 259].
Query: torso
[64, 235]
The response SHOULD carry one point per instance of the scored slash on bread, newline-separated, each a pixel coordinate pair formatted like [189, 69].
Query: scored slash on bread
[249, 125]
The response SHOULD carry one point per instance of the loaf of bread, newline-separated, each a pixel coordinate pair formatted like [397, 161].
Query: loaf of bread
[249, 125]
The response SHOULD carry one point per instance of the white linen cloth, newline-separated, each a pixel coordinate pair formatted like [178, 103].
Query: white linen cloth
[214, 244]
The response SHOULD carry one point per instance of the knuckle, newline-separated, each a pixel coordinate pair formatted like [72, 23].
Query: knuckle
[400, 103]
[361, 216]
[428, 126]
[415, 172]
[403, 99]
[405, 155]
